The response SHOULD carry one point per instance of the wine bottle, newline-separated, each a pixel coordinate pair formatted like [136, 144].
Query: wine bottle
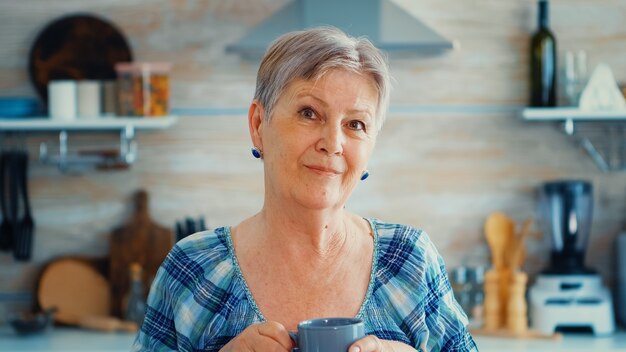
[543, 62]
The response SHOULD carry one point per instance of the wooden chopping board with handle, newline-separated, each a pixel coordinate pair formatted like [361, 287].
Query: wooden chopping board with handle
[141, 241]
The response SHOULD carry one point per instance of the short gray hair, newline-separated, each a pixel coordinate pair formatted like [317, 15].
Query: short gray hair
[310, 54]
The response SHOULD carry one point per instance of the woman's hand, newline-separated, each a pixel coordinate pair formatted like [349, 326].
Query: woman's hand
[263, 337]
[371, 343]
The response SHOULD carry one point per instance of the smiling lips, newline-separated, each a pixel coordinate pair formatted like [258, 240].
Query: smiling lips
[323, 170]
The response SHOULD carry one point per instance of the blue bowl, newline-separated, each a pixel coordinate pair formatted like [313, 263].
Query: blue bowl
[29, 324]
[12, 107]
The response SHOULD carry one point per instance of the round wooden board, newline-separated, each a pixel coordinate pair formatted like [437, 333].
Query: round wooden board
[76, 46]
[76, 289]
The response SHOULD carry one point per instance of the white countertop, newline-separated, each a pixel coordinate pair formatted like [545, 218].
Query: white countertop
[570, 342]
[68, 339]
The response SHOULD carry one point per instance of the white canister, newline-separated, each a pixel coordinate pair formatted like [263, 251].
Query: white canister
[62, 100]
[89, 102]
[109, 98]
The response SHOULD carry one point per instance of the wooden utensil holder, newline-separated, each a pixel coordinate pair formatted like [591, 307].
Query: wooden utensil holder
[505, 303]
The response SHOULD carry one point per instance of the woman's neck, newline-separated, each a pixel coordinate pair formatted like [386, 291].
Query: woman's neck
[315, 233]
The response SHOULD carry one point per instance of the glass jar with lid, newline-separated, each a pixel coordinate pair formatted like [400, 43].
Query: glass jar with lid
[143, 88]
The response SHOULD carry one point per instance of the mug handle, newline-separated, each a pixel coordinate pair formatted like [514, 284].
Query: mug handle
[294, 337]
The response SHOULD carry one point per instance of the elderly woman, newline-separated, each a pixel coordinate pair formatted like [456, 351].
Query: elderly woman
[320, 101]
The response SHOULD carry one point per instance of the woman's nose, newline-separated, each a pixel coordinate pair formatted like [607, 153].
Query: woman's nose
[331, 140]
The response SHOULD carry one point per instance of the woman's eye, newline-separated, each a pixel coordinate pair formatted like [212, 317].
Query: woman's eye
[356, 125]
[307, 113]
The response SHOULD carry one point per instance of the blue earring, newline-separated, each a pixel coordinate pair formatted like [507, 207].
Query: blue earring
[365, 175]
[256, 152]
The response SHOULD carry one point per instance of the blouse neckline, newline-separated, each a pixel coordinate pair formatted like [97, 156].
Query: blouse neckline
[253, 304]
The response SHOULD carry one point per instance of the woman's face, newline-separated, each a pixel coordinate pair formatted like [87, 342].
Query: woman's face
[319, 139]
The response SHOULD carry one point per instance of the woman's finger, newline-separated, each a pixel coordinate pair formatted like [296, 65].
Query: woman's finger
[369, 343]
[268, 336]
[277, 332]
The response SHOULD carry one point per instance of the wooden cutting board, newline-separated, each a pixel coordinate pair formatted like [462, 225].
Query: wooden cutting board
[142, 241]
[75, 288]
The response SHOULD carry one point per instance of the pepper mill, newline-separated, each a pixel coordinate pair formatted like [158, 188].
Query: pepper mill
[517, 321]
[493, 317]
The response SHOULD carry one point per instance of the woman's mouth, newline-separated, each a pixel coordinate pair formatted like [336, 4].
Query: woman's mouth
[323, 170]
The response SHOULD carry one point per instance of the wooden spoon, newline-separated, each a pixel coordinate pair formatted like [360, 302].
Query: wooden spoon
[499, 231]
[518, 255]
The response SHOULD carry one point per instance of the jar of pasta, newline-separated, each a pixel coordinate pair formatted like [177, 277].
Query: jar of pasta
[143, 88]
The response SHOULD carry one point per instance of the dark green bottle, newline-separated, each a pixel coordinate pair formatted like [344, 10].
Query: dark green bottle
[543, 62]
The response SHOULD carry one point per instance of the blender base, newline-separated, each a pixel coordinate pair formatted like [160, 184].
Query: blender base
[571, 301]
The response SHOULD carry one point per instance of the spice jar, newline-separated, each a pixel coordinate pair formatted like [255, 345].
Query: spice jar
[462, 288]
[143, 88]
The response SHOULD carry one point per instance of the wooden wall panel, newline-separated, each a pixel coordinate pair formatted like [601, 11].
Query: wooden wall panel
[489, 68]
[440, 164]
[442, 172]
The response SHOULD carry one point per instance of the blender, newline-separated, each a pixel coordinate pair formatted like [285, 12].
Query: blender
[567, 294]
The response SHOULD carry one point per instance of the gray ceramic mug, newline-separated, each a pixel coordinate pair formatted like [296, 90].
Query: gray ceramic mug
[327, 334]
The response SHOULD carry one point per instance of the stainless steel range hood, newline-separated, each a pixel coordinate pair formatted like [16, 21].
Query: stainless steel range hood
[387, 25]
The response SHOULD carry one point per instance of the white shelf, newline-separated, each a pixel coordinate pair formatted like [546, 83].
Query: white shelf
[126, 126]
[560, 114]
[107, 123]
[601, 133]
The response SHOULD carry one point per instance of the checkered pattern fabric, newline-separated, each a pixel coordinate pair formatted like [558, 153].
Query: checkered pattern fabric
[199, 299]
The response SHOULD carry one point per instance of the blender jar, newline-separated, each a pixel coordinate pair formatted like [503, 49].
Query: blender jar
[566, 209]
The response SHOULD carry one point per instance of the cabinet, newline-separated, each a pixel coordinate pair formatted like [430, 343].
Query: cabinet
[125, 127]
[601, 133]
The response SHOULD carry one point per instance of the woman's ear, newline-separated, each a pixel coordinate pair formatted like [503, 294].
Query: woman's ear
[256, 115]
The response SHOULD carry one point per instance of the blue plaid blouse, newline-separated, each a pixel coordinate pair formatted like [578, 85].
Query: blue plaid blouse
[199, 299]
